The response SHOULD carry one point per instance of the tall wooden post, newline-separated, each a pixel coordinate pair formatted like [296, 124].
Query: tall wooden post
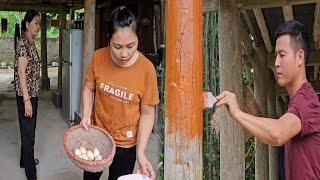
[272, 113]
[280, 150]
[61, 27]
[183, 84]
[45, 81]
[146, 29]
[88, 33]
[232, 151]
[260, 94]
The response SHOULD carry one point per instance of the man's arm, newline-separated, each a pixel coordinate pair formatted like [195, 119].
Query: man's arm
[267, 130]
[271, 131]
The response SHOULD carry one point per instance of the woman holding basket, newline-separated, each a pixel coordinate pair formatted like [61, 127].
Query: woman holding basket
[120, 95]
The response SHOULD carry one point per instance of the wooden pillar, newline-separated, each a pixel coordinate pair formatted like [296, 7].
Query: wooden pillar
[183, 84]
[45, 81]
[260, 93]
[272, 113]
[232, 151]
[61, 27]
[88, 33]
[71, 14]
[98, 28]
[146, 27]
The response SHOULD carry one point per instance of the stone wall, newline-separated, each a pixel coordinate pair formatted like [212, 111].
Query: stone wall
[7, 50]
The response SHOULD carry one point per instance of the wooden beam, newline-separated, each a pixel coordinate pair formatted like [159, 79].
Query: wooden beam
[316, 26]
[45, 81]
[272, 113]
[261, 94]
[88, 34]
[263, 29]
[184, 87]
[210, 5]
[287, 13]
[56, 8]
[259, 4]
[232, 149]
[61, 28]
[252, 29]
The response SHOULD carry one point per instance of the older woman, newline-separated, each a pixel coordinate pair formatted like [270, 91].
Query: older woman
[26, 81]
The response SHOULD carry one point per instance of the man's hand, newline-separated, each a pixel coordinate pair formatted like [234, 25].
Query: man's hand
[230, 101]
[85, 122]
[27, 109]
[145, 166]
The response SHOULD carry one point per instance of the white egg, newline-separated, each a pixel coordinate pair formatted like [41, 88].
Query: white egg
[83, 150]
[77, 152]
[84, 156]
[96, 152]
[90, 155]
[98, 158]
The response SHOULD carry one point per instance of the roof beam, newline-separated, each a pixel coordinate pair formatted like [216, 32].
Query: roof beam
[263, 29]
[254, 4]
[254, 32]
[5, 6]
[316, 26]
[287, 13]
[210, 5]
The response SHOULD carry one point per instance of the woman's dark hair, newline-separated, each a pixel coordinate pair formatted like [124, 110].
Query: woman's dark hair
[121, 17]
[16, 35]
[299, 37]
[28, 17]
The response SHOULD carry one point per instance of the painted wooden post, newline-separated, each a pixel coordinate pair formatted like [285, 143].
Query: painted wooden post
[61, 27]
[260, 93]
[88, 34]
[272, 113]
[232, 151]
[183, 84]
[45, 81]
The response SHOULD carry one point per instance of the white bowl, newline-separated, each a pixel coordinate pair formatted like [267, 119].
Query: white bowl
[133, 177]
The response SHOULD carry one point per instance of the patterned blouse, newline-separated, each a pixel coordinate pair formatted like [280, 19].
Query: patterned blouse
[26, 48]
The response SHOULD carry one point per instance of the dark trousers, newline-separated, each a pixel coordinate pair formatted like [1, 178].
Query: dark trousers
[27, 132]
[123, 164]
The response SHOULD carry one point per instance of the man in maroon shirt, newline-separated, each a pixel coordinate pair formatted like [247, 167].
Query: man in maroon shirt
[299, 128]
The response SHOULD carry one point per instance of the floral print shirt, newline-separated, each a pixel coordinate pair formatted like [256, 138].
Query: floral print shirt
[26, 48]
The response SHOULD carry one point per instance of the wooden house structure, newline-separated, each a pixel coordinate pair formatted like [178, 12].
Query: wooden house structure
[246, 36]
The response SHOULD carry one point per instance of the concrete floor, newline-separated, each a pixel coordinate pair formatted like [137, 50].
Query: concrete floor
[54, 163]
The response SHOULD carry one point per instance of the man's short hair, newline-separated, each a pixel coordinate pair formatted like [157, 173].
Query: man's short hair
[299, 38]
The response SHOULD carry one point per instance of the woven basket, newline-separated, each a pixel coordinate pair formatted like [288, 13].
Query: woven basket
[94, 137]
[250, 106]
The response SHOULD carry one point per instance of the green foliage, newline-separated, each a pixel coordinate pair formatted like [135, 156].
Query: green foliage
[250, 159]
[16, 17]
[78, 12]
[9, 63]
[13, 18]
[211, 142]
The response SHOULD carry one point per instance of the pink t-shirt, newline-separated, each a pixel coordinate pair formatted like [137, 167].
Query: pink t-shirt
[302, 152]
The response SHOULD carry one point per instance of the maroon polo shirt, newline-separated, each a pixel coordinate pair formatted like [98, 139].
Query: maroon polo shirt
[302, 152]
